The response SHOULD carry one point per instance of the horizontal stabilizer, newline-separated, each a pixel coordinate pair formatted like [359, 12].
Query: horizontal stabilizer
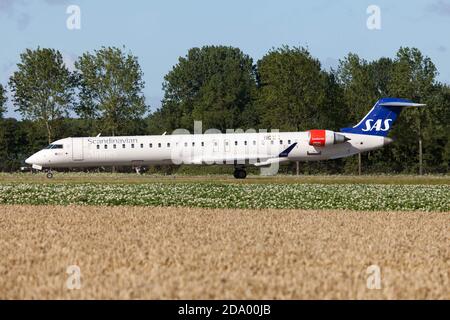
[402, 104]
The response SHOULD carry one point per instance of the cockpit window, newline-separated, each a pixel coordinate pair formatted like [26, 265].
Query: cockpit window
[54, 146]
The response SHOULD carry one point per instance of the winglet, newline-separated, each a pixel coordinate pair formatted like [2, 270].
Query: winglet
[286, 152]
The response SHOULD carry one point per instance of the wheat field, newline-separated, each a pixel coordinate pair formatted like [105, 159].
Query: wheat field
[192, 253]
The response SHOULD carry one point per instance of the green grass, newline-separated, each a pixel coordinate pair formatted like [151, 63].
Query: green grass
[118, 178]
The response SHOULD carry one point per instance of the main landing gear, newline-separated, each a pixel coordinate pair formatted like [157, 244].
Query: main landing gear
[49, 174]
[140, 170]
[240, 173]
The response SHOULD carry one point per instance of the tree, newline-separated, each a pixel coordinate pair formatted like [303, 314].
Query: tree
[3, 142]
[111, 87]
[381, 71]
[214, 84]
[357, 79]
[155, 123]
[43, 88]
[292, 89]
[3, 100]
[444, 118]
[413, 77]
[335, 114]
[364, 83]
[434, 128]
[14, 143]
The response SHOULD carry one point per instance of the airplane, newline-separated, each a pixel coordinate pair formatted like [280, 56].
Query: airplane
[260, 149]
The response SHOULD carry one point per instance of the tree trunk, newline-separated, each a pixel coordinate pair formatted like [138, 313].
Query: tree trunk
[420, 143]
[359, 163]
[49, 132]
[420, 157]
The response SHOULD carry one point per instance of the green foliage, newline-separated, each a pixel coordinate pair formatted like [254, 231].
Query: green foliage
[155, 123]
[43, 87]
[214, 84]
[111, 87]
[3, 100]
[292, 90]
[18, 139]
[410, 75]
[358, 82]
[413, 77]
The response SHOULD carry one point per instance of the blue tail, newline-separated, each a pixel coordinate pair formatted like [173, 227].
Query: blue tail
[381, 117]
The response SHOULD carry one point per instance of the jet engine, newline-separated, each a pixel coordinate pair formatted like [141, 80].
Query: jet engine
[324, 138]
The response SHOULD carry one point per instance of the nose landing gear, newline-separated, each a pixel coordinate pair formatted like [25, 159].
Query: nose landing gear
[39, 168]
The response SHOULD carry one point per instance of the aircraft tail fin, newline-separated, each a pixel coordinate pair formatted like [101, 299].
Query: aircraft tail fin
[381, 117]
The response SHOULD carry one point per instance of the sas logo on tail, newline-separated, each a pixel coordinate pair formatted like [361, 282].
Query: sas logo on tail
[377, 125]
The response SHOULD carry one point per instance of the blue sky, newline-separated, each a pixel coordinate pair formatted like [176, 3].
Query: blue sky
[158, 32]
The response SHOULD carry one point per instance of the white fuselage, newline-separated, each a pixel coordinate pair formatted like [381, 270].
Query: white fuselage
[230, 148]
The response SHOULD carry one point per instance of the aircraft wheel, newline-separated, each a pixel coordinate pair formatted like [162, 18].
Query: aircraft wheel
[240, 174]
[49, 175]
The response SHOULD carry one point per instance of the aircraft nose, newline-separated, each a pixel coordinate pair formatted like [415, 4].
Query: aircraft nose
[31, 160]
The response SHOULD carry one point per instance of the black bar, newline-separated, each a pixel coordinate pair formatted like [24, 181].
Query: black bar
[223, 309]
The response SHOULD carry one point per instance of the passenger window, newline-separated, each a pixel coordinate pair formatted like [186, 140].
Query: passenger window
[185, 144]
[114, 146]
[159, 145]
[193, 144]
[151, 145]
[98, 146]
[123, 146]
[203, 144]
[132, 146]
[106, 146]
[142, 145]
[254, 142]
[289, 141]
[235, 143]
[168, 145]
[281, 141]
[245, 143]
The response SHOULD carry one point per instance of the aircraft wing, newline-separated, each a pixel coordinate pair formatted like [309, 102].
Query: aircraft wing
[255, 159]
[282, 157]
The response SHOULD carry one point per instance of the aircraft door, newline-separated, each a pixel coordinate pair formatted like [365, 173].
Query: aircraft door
[77, 149]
